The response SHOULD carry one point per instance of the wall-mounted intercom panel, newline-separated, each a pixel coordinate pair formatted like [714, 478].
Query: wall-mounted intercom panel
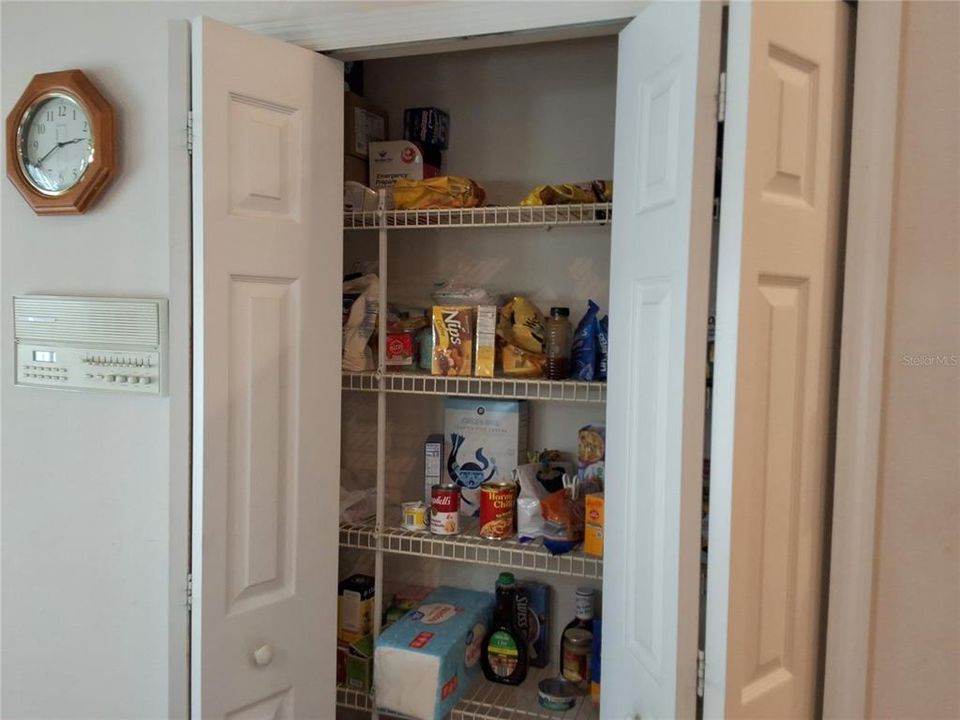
[91, 343]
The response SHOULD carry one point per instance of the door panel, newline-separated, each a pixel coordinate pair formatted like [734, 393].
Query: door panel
[663, 180]
[776, 307]
[268, 122]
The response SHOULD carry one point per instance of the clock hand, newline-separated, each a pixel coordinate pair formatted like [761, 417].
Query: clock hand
[56, 147]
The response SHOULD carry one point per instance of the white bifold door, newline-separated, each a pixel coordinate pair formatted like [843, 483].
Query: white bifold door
[267, 201]
[783, 157]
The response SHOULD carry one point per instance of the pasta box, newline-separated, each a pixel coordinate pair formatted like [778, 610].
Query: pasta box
[426, 661]
[487, 440]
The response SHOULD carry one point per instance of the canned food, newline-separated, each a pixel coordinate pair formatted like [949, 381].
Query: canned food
[557, 694]
[414, 515]
[445, 509]
[497, 504]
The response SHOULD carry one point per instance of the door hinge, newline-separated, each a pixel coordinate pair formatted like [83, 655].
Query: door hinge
[190, 132]
[701, 672]
[189, 600]
[722, 98]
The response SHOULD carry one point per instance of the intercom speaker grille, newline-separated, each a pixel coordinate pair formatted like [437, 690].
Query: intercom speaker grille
[111, 322]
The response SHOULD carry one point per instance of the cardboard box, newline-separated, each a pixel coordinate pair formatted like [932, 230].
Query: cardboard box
[426, 661]
[593, 540]
[594, 509]
[538, 621]
[488, 439]
[364, 123]
[427, 126]
[432, 465]
[355, 608]
[452, 340]
[356, 169]
[486, 340]
[390, 161]
[591, 453]
[359, 665]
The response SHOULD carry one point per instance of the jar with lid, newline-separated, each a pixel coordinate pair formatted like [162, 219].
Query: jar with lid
[577, 647]
[557, 332]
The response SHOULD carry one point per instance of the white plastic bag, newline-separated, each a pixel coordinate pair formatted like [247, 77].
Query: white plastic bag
[529, 516]
[361, 323]
[357, 505]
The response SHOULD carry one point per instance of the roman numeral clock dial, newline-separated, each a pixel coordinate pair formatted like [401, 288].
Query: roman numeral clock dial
[60, 143]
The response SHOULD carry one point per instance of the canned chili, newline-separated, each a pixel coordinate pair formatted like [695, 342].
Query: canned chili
[445, 509]
[497, 504]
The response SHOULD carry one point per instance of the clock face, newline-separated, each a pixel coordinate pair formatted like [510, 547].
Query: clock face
[56, 144]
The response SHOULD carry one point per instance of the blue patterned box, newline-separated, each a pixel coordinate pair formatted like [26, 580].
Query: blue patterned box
[426, 661]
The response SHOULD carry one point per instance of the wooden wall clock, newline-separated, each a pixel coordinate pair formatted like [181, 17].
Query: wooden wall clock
[61, 144]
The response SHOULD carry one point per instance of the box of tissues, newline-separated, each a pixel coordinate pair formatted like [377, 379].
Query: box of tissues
[425, 662]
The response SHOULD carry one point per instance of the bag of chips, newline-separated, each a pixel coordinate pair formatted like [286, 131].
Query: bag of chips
[447, 191]
[584, 355]
[521, 323]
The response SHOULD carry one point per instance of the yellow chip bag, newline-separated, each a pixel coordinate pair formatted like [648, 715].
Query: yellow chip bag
[521, 323]
[447, 191]
[517, 362]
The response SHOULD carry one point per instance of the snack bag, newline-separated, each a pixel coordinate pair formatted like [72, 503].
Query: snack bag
[563, 521]
[452, 340]
[360, 322]
[584, 355]
[560, 194]
[447, 191]
[529, 514]
[520, 363]
[521, 323]
[602, 338]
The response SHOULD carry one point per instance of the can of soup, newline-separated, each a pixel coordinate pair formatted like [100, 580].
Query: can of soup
[445, 509]
[497, 505]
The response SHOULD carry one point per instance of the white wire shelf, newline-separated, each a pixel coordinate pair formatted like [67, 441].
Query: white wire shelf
[353, 699]
[493, 216]
[469, 547]
[515, 389]
[492, 701]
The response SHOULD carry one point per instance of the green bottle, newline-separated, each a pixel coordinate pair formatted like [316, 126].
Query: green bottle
[503, 654]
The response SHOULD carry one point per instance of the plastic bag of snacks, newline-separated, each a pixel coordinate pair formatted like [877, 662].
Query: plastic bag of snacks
[585, 343]
[517, 362]
[563, 516]
[567, 193]
[361, 304]
[521, 324]
[529, 514]
[447, 191]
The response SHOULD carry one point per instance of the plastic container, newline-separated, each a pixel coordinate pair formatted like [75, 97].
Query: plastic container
[557, 332]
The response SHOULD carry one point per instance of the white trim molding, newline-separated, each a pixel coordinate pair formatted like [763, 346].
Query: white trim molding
[862, 347]
[365, 30]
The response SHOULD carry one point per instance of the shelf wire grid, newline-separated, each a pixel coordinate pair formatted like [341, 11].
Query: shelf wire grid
[469, 547]
[492, 216]
[507, 388]
[491, 701]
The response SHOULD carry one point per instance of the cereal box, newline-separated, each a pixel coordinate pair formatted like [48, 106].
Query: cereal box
[426, 660]
[591, 451]
[452, 340]
[487, 440]
[537, 597]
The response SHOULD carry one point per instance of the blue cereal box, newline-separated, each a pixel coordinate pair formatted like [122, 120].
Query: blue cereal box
[487, 440]
[426, 661]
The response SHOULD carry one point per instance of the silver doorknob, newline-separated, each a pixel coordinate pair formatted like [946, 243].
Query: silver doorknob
[263, 655]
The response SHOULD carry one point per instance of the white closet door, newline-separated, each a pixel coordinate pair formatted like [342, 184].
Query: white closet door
[663, 193]
[783, 193]
[267, 198]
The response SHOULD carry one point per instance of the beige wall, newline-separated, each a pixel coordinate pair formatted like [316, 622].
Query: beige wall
[915, 664]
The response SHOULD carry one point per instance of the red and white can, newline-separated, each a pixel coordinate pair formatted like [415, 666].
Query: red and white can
[445, 509]
[498, 502]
